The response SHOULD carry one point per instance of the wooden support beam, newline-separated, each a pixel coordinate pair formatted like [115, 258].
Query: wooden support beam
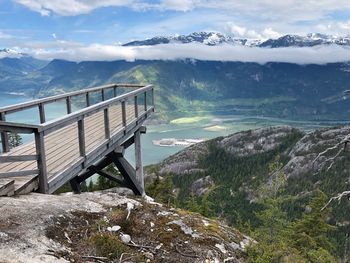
[42, 112]
[128, 142]
[40, 151]
[128, 173]
[69, 104]
[108, 176]
[75, 184]
[4, 136]
[120, 151]
[138, 161]
[99, 165]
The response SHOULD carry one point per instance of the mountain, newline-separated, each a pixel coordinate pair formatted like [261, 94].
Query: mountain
[213, 38]
[58, 228]
[201, 87]
[208, 38]
[230, 174]
[305, 41]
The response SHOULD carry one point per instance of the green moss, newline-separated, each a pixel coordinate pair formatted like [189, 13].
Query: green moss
[108, 245]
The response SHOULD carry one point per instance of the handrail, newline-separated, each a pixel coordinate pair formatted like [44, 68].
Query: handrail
[18, 127]
[37, 102]
[73, 117]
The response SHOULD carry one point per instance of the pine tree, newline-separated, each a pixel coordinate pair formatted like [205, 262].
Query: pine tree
[310, 232]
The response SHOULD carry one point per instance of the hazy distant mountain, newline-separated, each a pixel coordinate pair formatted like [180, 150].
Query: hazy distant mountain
[212, 39]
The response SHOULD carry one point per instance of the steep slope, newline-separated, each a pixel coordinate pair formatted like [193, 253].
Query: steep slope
[231, 171]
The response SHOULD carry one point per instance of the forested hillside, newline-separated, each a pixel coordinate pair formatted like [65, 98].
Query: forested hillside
[188, 87]
[265, 178]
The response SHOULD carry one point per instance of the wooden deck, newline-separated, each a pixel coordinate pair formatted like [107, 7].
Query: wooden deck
[65, 147]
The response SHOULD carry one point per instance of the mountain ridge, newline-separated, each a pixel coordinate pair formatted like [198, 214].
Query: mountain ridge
[216, 38]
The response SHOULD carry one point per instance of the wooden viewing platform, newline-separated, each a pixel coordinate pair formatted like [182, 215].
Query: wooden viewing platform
[79, 144]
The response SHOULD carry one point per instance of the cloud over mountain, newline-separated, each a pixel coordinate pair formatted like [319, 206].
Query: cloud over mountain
[224, 52]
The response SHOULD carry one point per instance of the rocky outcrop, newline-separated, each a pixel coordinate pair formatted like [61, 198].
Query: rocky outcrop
[107, 227]
[202, 186]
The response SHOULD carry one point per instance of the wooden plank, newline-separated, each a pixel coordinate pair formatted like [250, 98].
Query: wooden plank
[26, 185]
[19, 158]
[19, 173]
[7, 187]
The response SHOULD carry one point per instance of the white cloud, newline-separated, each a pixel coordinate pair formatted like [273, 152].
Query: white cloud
[333, 27]
[71, 7]
[5, 36]
[243, 32]
[98, 52]
[54, 35]
[273, 10]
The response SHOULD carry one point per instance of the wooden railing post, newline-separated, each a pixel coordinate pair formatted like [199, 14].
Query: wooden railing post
[123, 113]
[152, 93]
[42, 112]
[87, 97]
[136, 108]
[81, 137]
[106, 122]
[115, 91]
[145, 101]
[4, 136]
[103, 94]
[40, 151]
[69, 104]
[138, 161]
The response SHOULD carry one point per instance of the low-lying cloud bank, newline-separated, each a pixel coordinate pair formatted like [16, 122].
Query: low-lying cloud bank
[297, 55]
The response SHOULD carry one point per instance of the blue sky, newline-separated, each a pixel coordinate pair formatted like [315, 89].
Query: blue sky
[37, 25]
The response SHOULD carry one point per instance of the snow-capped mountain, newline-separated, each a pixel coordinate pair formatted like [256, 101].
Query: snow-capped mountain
[208, 38]
[7, 52]
[310, 40]
[213, 38]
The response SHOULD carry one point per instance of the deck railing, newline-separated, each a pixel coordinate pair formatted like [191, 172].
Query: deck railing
[67, 97]
[140, 100]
